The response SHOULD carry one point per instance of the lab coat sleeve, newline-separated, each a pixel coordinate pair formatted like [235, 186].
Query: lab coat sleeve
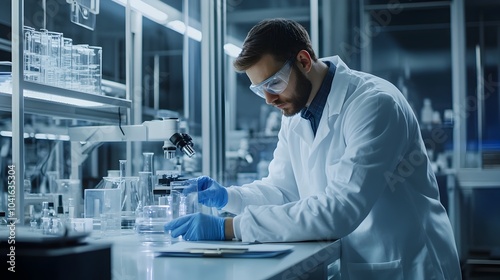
[376, 134]
[277, 188]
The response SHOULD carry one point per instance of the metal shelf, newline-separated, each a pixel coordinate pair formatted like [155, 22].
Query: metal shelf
[101, 99]
[59, 102]
[104, 114]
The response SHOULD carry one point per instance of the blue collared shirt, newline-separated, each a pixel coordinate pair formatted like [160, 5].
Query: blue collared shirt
[315, 110]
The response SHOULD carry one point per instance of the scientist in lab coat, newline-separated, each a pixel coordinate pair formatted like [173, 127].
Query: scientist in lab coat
[350, 163]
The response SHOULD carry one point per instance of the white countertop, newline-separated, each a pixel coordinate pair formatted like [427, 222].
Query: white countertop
[132, 259]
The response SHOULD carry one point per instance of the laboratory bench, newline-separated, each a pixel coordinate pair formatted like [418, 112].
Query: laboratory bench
[124, 255]
[134, 259]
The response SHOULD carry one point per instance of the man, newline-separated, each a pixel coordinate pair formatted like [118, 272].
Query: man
[350, 163]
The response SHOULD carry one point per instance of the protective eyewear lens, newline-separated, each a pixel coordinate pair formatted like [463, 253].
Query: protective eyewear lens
[275, 84]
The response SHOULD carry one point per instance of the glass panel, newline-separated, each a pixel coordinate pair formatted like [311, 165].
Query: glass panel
[252, 125]
[483, 76]
[414, 53]
[166, 74]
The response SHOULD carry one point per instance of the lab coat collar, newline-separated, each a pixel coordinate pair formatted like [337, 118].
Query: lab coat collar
[333, 106]
[339, 88]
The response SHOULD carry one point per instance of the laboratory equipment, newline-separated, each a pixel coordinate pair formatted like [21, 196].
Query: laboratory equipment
[51, 223]
[84, 12]
[80, 224]
[50, 56]
[71, 208]
[132, 197]
[95, 69]
[123, 168]
[70, 188]
[33, 218]
[66, 52]
[30, 67]
[52, 59]
[426, 113]
[129, 200]
[150, 226]
[148, 163]
[86, 138]
[145, 190]
[104, 206]
[79, 67]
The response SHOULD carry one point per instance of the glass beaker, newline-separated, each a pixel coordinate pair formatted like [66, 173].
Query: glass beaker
[51, 56]
[103, 205]
[32, 52]
[79, 67]
[95, 69]
[129, 200]
[66, 49]
[28, 53]
[150, 226]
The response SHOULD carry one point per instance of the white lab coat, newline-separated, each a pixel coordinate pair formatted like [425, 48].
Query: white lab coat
[364, 178]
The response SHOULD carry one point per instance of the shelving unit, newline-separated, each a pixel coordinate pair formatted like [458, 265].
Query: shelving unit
[59, 102]
[28, 97]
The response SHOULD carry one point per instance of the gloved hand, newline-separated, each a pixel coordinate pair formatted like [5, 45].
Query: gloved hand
[210, 193]
[197, 227]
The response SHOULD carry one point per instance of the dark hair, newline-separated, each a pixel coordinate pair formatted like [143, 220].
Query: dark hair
[281, 38]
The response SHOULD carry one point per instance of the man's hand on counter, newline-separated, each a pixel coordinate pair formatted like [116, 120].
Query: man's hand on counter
[201, 227]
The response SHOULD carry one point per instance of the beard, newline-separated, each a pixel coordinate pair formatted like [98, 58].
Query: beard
[300, 95]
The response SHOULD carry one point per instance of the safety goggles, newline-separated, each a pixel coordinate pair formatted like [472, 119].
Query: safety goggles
[275, 84]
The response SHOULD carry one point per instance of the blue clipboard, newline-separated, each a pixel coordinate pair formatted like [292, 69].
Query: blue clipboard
[221, 250]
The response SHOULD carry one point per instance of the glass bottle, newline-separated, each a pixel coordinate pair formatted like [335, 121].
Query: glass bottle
[33, 222]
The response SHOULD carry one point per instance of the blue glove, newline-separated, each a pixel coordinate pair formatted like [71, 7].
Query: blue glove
[210, 193]
[197, 227]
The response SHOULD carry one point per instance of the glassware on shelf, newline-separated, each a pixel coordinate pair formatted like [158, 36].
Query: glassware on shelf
[32, 50]
[50, 57]
[66, 50]
[79, 67]
[95, 69]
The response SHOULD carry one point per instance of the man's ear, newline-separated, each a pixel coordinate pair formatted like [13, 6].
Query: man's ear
[305, 61]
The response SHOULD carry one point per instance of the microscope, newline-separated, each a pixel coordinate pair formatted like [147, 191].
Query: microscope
[85, 139]
[156, 130]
